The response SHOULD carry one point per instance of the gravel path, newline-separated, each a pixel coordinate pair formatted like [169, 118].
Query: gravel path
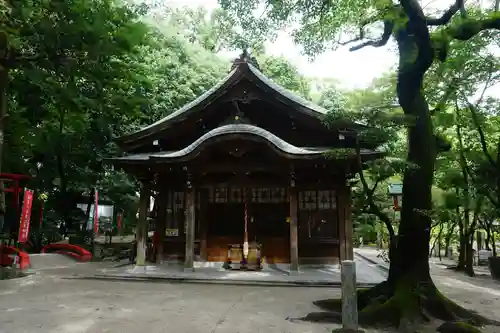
[53, 302]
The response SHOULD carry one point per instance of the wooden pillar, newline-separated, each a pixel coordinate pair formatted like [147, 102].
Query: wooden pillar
[190, 226]
[142, 223]
[161, 222]
[203, 222]
[294, 247]
[345, 222]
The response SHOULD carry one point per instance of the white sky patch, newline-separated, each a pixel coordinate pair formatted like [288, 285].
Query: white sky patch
[351, 69]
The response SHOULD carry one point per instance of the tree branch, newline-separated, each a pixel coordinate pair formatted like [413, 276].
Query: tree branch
[477, 209]
[363, 24]
[488, 195]
[482, 137]
[471, 27]
[452, 87]
[372, 191]
[360, 37]
[388, 27]
[446, 17]
[373, 208]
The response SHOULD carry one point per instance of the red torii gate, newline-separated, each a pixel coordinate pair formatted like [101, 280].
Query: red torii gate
[16, 189]
[14, 180]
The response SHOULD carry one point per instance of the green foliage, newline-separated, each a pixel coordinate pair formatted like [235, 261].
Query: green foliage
[86, 72]
[315, 25]
[285, 74]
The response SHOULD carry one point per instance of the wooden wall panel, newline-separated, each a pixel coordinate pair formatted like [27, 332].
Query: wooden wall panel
[319, 253]
[275, 250]
[217, 247]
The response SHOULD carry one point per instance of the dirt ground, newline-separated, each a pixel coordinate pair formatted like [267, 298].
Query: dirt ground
[52, 301]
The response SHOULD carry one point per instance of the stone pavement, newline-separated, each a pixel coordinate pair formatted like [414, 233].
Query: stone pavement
[328, 275]
[370, 255]
[50, 303]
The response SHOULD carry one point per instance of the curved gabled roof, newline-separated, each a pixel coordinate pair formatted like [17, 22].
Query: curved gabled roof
[230, 132]
[242, 70]
[241, 129]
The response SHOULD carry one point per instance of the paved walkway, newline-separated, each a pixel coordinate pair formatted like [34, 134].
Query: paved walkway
[50, 303]
[367, 274]
[371, 254]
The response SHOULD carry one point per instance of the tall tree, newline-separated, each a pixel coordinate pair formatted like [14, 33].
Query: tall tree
[409, 294]
[84, 73]
[74, 77]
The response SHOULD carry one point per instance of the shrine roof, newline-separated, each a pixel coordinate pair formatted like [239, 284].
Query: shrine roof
[241, 69]
[232, 131]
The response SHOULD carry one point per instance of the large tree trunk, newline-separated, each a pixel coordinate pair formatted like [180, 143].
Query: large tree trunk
[447, 240]
[409, 294]
[414, 229]
[493, 245]
[395, 300]
[462, 241]
[487, 240]
[462, 252]
[409, 262]
[469, 255]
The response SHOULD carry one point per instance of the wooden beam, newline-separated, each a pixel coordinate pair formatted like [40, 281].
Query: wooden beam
[142, 223]
[190, 226]
[345, 223]
[294, 247]
[238, 168]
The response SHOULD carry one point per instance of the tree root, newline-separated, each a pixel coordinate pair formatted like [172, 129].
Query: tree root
[404, 306]
[457, 327]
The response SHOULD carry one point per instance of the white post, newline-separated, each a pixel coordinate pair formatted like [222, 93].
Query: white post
[349, 297]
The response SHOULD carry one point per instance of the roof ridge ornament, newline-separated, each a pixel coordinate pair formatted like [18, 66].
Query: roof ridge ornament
[245, 57]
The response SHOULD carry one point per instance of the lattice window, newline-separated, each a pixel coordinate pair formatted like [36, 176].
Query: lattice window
[236, 194]
[317, 214]
[265, 195]
[255, 195]
[278, 195]
[261, 195]
[326, 200]
[220, 195]
[308, 200]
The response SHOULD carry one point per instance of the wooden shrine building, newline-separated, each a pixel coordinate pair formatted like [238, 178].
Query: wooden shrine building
[245, 165]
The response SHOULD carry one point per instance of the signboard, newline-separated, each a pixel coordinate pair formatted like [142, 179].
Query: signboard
[24, 225]
[96, 213]
[172, 232]
[396, 189]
